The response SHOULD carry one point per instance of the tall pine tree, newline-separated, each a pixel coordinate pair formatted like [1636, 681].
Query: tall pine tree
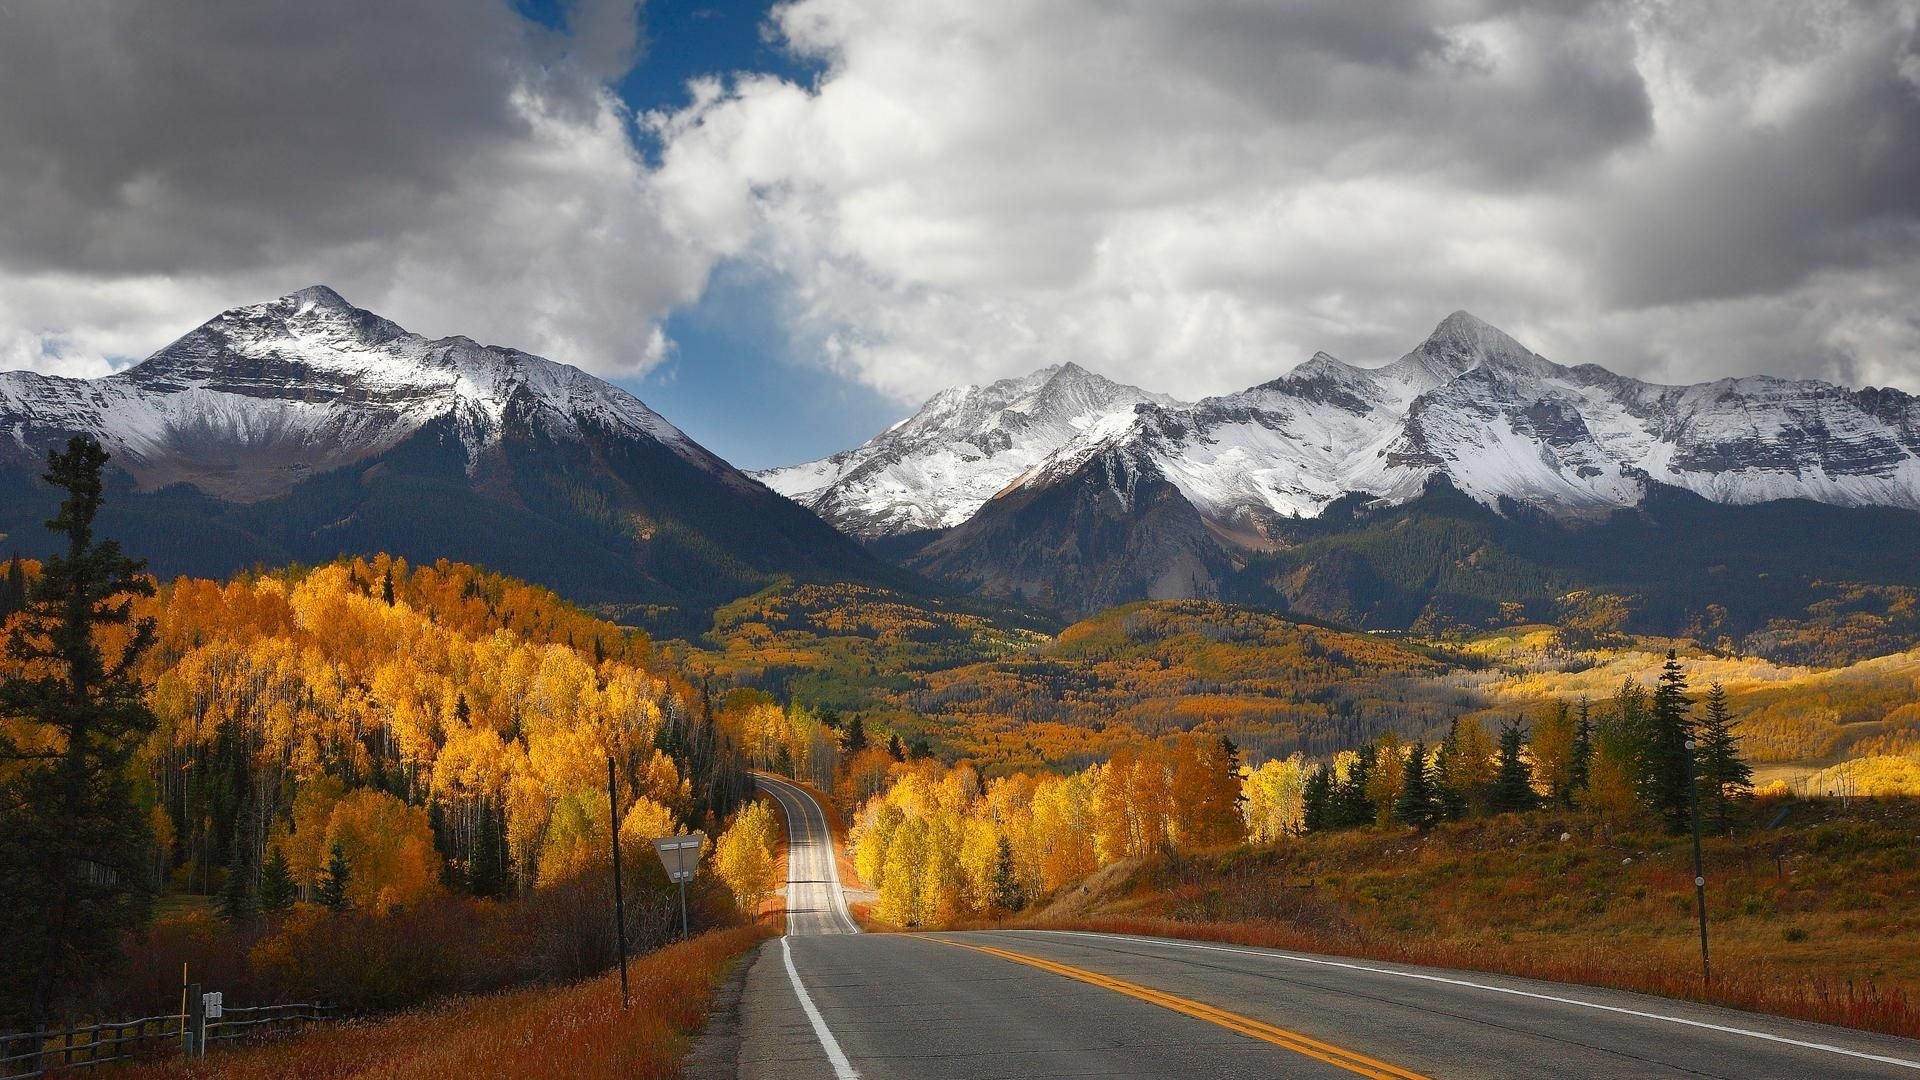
[1724, 777]
[1580, 766]
[75, 855]
[1669, 772]
[1316, 802]
[1416, 805]
[1351, 805]
[331, 889]
[277, 890]
[13, 588]
[1007, 893]
[1513, 784]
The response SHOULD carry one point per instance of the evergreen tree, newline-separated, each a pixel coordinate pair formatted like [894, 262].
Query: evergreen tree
[386, 587]
[1513, 786]
[1416, 805]
[894, 748]
[1449, 794]
[919, 748]
[1668, 774]
[1580, 766]
[486, 870]
[1724, 777]
[277, 890]
[1316, 800]
[1230, 752]
[1351, 805]
[75, 854]
[238, 901]
[1007, 893]
[332, 886]
[13, 588]
[854, 739]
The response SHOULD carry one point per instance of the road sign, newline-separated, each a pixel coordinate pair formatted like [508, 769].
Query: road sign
[680, 855]
[216, 1005]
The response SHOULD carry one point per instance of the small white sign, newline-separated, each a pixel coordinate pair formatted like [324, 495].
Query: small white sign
[680, 855]
[215, 1004]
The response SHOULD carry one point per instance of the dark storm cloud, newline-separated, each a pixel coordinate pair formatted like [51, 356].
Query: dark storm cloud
[1757, 208]
[145, 136]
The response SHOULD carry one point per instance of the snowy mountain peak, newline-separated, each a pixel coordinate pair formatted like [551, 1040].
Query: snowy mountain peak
[1469, 403]
[261, 396]
[935, 469]
[315, 296]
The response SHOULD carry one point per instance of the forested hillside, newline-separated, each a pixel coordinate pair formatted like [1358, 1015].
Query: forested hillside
[369, 761]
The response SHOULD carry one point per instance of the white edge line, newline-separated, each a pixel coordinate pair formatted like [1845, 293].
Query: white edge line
[1276, 955]
[842, 1068]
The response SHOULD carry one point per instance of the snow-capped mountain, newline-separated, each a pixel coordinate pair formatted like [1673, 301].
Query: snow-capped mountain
[1500, 422]
[261, 397]
[305, 427]
[1170, 493]
[935, 469]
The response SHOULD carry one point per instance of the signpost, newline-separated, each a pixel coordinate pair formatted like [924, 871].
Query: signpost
[1699, 865]
[681, 856]
[619, 897]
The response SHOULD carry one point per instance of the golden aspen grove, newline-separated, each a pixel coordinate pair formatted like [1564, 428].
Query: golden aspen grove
[422, 750]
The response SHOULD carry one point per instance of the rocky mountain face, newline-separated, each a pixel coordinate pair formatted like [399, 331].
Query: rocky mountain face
[304, 428]
[1469, 409]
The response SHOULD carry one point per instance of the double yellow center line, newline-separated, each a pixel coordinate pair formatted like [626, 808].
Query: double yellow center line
[1245, 1025]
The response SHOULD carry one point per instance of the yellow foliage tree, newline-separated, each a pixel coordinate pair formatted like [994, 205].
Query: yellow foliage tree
[744, 857]
[388, 845]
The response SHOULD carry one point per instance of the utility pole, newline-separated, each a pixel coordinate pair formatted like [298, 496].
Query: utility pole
[1699, 865]
[619, 896]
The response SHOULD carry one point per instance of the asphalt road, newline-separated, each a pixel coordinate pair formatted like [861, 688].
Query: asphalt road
[824, 1002]
[815, 904]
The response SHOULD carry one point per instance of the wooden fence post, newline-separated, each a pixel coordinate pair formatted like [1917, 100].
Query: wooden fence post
[196, 1022]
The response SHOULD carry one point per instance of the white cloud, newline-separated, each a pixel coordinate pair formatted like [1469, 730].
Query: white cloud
[1190, 196]
[443, 162]
[1196, 196]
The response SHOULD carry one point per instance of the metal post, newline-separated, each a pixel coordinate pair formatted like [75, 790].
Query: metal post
[619, 896]
[196, 1027]
[683, 909]
[1699, 866]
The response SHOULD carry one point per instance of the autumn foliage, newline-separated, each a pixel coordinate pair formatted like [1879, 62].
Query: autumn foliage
[931, 841]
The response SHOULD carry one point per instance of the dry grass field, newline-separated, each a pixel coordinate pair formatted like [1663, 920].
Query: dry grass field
[579, 1031]
[1814, 918]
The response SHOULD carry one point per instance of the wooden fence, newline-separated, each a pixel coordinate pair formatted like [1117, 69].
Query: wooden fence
[46, 1053]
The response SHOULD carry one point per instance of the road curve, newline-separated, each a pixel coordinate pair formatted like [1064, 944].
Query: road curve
[1017, 1003]
[815, 903]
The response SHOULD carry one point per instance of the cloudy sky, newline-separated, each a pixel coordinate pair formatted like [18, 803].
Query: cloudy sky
[783, 226]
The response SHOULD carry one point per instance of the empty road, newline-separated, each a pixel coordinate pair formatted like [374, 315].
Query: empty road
[829, 1002]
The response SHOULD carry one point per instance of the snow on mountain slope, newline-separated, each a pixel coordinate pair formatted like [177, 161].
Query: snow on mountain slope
[1469, 403]
[936, 468]
[260, 397]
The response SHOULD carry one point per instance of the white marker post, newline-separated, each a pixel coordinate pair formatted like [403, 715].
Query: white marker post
[681, 856]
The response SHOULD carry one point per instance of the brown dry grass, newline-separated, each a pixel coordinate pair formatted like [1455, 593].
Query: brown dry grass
[1810, 921]
[576, 1031]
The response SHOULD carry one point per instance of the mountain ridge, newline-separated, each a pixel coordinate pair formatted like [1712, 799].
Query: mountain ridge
[1236, 481]
[1501, 421]
[304, 428]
